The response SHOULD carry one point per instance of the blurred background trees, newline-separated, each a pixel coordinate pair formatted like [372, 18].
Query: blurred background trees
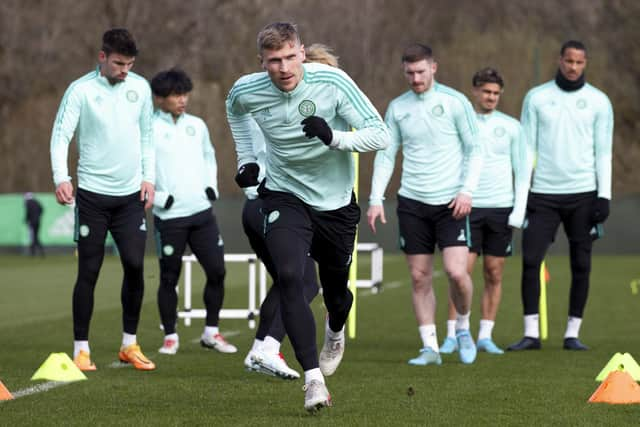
[45, 45]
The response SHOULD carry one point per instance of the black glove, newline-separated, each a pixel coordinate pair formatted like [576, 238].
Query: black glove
[600, 210]
[247, 175]
[211, 195]
[317, 126]
[169, 202]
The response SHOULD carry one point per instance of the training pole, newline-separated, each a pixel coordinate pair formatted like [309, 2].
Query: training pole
[353, 270]
[544, 327]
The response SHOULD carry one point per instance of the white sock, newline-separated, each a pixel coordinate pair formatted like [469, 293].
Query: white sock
[331, 334]
[128, 339]
[271, 345]
[429, 337]
[313, 374]
[210, 331]
[451, 329]
[257, 345]
[486, 328]
[462, 321]
[173, 336]
[573, 327]
[80, 345]
[532, 325]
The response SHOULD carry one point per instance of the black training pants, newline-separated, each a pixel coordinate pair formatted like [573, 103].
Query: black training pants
[545, 212]
[270, 315]
[172, 235]
[292, 231]
[124, 217]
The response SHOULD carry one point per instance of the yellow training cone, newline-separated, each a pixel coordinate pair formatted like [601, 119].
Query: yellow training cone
[59, 367]
[623, 362]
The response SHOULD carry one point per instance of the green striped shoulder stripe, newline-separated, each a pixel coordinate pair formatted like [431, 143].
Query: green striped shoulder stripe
[65, 99]
[241, 87]
[346, 86]
[466, 106]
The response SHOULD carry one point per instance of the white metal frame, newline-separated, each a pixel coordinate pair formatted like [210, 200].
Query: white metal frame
[253, 309]
[249, 313]
[377, 254]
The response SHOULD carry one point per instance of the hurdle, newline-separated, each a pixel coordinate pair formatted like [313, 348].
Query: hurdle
[377, 254]
[253, 309]
[258, 278]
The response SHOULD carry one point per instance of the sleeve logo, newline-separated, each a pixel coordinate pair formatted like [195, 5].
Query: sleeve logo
[307, 108]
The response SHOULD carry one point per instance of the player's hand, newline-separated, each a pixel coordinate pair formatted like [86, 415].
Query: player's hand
[64, 193]
[461, 205]
[247, 175]
[147, 193]
[600, 210]
[211, 195]
[316, 126]
[372, 214]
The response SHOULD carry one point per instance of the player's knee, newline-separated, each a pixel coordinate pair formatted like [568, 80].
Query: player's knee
[492, 276]
[168, 280]
[457, 275]
[420, 277]
[531, 260]
[216, 275]
[132, 264]
[581, 264]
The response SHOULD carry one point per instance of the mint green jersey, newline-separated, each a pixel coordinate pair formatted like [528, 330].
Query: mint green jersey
[319, 175]
[438, 133]
[260, 151]
[112, 126]
[503, 180]
[185, 165]
[570, 134]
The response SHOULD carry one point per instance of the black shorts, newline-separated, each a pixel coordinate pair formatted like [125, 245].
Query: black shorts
[490, 231]
[330, 235]
[422, 225]
[97, 213]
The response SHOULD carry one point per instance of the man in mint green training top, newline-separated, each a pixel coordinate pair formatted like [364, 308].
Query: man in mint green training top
[309, 205]
[437, 129]
[498, 203]
[569, 129]
[110, 111]
[186, 184]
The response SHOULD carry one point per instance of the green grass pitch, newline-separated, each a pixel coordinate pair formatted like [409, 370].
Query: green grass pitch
[374, 386]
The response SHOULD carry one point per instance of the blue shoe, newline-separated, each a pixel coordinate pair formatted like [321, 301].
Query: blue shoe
[426, 357]
[467, 348]
[486, 344]
[450, 345]
[574, 344]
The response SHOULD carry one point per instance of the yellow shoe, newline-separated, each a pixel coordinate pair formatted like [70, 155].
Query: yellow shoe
[83, 361]
[132, 354]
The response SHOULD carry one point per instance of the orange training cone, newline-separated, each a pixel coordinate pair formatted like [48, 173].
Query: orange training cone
[4, 393]
[618, 387]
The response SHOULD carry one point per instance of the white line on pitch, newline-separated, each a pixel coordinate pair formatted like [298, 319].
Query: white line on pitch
[39, 388]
